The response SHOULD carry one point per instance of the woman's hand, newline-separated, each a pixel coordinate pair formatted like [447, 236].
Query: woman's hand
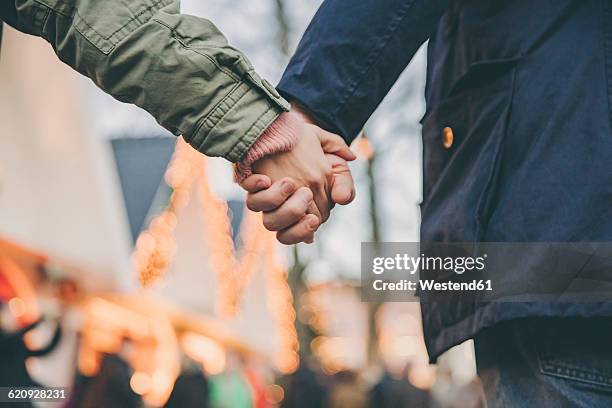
[296, 190]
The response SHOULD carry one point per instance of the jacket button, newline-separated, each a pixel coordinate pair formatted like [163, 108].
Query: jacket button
[447, 137]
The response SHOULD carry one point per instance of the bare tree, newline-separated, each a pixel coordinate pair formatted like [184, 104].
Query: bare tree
[284, 29]
[375, 237]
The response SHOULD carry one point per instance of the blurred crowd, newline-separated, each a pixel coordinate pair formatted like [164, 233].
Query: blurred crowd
[241, 385]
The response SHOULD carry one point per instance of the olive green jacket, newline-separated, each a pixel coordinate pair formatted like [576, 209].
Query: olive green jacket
[177, 67]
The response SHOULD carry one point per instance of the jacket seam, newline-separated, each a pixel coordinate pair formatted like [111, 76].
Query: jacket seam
[551, 366]
[224, 109]
[81, 25]
[483, 214]
[375, 55]
[256, 128]
[46, 19]
[179, 39]
[57, 10]
[106, 43]
[75, 12]
[217, 108]
[136, 17]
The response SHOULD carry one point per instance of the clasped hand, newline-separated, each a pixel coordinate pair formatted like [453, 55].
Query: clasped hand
[296, 190]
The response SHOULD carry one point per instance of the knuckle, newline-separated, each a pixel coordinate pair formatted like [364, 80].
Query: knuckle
[284, 192]
[315, 182]
[308, 195]
[335, 138]
[274, 202]
[249, 182]
[328, 172]
[251, 204]
[285, 180]
[279, 198]
[296, 212]
[324, 216]
[269, 224]
[284, 239]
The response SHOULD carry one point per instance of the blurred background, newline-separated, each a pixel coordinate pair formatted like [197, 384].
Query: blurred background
[131, 272]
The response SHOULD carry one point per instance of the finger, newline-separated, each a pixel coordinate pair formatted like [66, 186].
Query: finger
[290, 212]
[256, 183]
[342, 187]
[303, 231]
[323, 202]
[272, 197]
[332, 143]
[312, 209]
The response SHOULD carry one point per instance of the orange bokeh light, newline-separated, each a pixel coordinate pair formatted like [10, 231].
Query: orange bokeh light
[17, 307]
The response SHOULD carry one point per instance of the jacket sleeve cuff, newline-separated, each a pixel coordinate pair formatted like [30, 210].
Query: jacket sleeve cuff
[281, 136]
[231, 128]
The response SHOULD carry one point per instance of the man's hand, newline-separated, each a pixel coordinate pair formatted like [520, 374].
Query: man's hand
[297, 189]
[308, 166]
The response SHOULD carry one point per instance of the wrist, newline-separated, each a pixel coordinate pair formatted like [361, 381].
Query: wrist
[303, 113]
[281, 136]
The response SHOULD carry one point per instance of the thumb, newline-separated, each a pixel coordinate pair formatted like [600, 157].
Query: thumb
[342, 189]
[334, 144]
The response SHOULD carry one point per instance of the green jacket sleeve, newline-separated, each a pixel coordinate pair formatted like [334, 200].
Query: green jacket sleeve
[177, 67]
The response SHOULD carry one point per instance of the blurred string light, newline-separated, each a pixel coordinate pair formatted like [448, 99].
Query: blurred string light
[275, 393]
[156, 247]
[17, 307]
[280, 304]
[364, 148]
[23, 305]
[154, 352]
[233, 273]
[206, 351]
[338, 353]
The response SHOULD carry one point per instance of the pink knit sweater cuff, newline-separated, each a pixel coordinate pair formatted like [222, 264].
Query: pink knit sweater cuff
[280, 136]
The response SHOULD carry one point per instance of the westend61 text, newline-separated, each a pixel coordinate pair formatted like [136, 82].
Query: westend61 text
[432, 285]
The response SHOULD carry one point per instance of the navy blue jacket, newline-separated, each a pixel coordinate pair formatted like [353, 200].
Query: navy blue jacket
[525, 86]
